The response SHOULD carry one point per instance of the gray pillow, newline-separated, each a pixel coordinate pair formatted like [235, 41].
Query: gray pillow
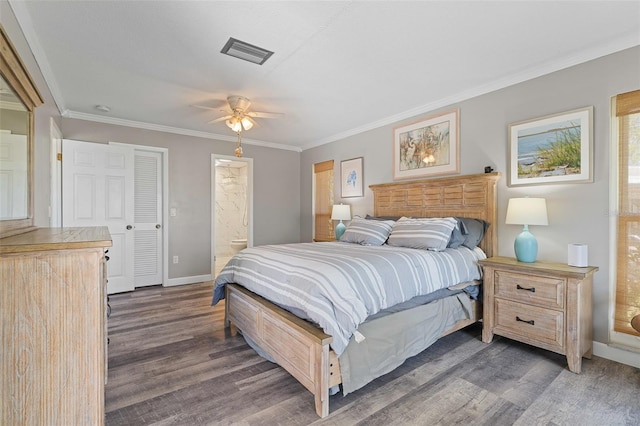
[476, 229]
[367, 232]
[394, 218]
[424, 233]
[458, 236]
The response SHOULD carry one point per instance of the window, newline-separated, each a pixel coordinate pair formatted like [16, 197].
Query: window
[323, 201]
[627, 304]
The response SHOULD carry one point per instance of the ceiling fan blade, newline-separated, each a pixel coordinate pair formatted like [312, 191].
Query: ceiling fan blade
[217, 120]
[209, 108]
[256, 114]
[203, 107]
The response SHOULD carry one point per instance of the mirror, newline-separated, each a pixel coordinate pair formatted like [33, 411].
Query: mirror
[18, 98]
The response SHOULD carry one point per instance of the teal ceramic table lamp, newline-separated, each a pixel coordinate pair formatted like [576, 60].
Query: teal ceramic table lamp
[526, 211]
[340, 212]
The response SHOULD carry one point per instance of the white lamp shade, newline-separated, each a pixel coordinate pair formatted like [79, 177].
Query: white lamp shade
[246, 123]
[238, 124]
[527, 211]
[234, 124]
[341, 212]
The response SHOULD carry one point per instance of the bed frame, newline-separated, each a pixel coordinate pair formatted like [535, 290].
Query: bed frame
[302, 348]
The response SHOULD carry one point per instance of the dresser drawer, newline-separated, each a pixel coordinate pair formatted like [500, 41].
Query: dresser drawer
[530, 324]
[533, 289]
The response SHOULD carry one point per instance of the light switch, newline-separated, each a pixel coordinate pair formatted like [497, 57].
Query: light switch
[173, 211]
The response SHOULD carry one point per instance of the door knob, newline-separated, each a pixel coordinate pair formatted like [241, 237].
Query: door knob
[158, 226]
[129, 227]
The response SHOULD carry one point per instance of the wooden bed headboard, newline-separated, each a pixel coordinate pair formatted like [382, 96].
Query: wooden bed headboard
[472, 196]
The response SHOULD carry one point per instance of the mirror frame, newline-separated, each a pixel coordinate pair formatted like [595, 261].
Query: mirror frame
[16, 75]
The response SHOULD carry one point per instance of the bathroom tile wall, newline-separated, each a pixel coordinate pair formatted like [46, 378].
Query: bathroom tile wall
[231, 207]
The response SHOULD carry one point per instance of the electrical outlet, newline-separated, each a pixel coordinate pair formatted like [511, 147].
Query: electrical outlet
[176, 259]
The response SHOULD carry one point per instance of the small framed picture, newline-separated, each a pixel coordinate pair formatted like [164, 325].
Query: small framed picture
[427, 148]
[351, 178]
[553, 149]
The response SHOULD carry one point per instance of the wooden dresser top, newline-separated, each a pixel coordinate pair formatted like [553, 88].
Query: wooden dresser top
[57, 239]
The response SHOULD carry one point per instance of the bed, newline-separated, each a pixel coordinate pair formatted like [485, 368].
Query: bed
[320, 360]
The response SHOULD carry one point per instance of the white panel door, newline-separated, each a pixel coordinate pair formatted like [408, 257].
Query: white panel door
[13, 175]
[148, 218]
[98, 190]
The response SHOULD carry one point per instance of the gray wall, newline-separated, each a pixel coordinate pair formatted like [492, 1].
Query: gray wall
[578, 213]
[276, 189]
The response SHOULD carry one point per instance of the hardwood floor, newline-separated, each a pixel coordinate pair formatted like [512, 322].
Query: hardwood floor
[172, 362]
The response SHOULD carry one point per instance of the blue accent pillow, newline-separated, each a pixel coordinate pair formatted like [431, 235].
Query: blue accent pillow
[476, 228]
[394, 218]
[458, 236]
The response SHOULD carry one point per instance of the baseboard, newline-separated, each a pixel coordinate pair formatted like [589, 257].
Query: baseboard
[188, 280]
[614, 353]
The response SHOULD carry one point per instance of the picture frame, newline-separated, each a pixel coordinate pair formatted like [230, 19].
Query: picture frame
[556, 148]
[428, 147]
[352, 178]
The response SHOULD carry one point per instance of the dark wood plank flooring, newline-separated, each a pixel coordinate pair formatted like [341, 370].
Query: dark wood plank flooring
[172, 362]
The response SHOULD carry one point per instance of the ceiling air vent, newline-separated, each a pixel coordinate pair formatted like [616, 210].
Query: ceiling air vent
[246, 51]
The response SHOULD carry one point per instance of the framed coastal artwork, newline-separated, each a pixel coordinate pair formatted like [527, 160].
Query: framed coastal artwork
[428, 147]
[553, 149]
[351, 178]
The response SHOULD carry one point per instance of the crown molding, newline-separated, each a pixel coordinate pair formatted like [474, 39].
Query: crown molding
[174, 130]
[13, 106]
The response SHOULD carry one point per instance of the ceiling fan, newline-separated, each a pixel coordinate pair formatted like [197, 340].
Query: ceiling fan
[239, 118]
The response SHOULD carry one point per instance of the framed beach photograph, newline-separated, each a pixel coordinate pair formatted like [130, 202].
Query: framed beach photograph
[553, 149]
[427, 148]
[351, 178]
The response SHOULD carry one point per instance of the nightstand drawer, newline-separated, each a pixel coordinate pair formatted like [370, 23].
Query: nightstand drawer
[538, 290]
[530, 324]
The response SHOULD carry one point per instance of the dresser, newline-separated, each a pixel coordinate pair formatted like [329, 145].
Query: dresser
[548, 305]
[52, 307]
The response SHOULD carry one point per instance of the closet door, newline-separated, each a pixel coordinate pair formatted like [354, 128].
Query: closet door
[98, 190]
[148, 218]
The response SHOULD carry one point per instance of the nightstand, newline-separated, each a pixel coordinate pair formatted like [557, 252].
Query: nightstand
[548, 305]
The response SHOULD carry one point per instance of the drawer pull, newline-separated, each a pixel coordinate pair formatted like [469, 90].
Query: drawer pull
[531, 289]
[532, 322]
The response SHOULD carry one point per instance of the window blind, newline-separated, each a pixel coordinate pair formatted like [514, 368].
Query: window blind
[323, 201]
[628, 228]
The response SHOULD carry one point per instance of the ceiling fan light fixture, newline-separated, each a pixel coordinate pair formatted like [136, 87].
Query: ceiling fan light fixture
[246, 123]
[238, 123]
[245, 51]
[234, 124]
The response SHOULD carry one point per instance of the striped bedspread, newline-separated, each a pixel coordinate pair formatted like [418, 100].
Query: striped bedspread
[338, 285]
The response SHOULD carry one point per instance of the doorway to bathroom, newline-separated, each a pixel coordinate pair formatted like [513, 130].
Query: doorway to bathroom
[232, 208]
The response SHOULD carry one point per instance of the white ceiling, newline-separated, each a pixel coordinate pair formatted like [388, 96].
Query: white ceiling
[339, 68]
